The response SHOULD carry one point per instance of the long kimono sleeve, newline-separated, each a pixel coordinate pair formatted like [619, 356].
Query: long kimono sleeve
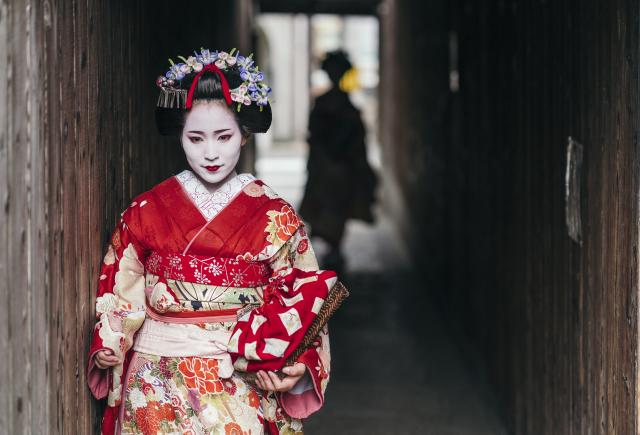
[120, 306]
[266, 336]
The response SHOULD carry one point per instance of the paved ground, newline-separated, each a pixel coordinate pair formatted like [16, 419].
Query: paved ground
[394, 368]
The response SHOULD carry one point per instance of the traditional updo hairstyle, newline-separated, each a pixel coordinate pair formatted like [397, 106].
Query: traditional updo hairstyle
[335, 64]
[170, 121]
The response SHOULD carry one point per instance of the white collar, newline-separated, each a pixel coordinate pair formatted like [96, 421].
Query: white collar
[210, 204]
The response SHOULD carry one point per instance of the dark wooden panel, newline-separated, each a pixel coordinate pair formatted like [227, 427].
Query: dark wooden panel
[555, 322]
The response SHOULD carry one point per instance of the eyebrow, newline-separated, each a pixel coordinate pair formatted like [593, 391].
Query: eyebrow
[215, 132]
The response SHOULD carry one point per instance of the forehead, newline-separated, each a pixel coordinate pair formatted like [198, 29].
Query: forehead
[209, 116]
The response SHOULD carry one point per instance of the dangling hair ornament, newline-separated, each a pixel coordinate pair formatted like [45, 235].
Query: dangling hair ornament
[252, 90]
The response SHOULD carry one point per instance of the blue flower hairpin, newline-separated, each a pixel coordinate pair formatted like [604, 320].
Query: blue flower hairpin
[251, 90]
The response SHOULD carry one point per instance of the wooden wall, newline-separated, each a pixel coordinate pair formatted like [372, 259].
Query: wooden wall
[23, 229]
[413, 105]
[561, 321]
[554, 322]
[77, 142]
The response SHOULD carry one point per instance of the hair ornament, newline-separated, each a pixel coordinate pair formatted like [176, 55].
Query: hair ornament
[252, 89]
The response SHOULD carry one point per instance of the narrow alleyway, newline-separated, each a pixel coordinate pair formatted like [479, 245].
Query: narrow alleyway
[508, 137]
[395, 368]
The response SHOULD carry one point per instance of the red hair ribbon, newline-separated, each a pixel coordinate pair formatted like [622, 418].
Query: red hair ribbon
[223, 80]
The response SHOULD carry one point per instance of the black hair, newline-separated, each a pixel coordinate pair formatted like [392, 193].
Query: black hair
[336, 63]
[170, 121]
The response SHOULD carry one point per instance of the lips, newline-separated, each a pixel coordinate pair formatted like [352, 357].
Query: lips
[213, 168]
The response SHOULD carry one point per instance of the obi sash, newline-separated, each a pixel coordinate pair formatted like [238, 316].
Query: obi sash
[180, 340]
[175, 334]
[200, 269]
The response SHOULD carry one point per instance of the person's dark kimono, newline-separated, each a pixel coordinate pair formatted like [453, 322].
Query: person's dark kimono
[340, 183]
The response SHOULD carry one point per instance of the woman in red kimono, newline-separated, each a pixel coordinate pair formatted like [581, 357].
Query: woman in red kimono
[209, 281]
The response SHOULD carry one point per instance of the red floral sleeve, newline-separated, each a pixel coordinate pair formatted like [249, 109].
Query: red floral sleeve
[308, 395]
[120, 305]
[266, 336]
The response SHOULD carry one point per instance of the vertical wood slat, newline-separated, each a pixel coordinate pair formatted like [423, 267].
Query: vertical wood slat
[23, 408]
[38, 228]
[17, 218]
[6, 400]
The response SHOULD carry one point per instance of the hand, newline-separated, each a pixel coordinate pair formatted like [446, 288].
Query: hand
[105, 359]
[271, 382]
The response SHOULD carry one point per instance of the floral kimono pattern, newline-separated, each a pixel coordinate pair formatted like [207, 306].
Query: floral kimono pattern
[197, 291]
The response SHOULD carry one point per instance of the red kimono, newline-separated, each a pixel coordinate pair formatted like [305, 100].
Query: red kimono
[196, 291]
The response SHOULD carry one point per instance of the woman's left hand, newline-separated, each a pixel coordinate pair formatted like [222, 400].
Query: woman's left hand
[271, 382]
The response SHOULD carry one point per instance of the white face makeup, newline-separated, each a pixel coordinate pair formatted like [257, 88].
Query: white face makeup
[212, 140]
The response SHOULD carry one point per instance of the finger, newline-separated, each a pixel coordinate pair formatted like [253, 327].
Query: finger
[102, 354]
[102, 365]
[268, 383]
[288, 383]
[107, 361]
[296, 370]
[105, 353]
[275, 380]
[261, 381]
[110, 360]
[288, 370]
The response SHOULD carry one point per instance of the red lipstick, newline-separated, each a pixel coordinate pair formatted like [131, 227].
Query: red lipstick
[213, 168]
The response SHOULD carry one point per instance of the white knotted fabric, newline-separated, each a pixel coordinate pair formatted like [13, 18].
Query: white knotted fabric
[174, 340]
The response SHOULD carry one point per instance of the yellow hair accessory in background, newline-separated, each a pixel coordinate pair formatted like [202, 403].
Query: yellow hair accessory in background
[349, 81]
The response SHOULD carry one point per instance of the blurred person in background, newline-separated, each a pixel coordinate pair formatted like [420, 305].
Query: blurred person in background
[340, 183]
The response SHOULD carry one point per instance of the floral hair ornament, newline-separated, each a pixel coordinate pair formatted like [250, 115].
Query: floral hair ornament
[223, 81]
[249, 87]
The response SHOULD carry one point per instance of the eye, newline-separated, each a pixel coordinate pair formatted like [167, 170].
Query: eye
[224, 137]
[195, 139]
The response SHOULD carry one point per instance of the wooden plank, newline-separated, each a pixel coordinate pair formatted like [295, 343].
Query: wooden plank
[35, 182]
[5, 338]
[23, 259]
[17, 240]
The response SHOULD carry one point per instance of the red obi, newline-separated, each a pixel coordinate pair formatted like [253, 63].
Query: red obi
[218, 271]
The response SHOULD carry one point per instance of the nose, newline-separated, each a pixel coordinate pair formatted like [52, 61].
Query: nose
[211, 151]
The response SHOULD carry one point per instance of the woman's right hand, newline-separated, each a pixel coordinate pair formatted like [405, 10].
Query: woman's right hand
[105, 359]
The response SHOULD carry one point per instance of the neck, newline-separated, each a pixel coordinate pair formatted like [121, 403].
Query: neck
[212, 187]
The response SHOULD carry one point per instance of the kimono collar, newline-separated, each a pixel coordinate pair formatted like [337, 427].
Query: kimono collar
[210, 204]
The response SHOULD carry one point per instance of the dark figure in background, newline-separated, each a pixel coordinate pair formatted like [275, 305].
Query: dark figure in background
[340, 183]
